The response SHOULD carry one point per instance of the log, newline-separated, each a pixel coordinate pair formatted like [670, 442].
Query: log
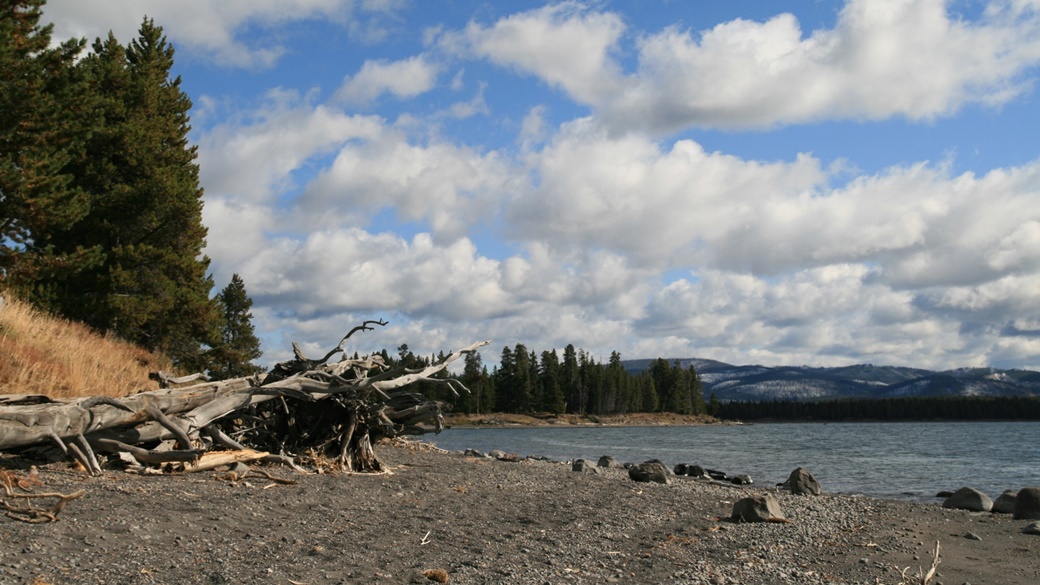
[326, 414]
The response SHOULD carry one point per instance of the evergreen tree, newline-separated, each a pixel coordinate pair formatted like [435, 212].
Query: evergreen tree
[552, 393]
[505, 381]
[570, 381]
[238, 345]
[523, 389]
[44, 117]
[145, 206]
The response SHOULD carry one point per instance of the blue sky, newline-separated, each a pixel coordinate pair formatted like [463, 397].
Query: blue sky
[819, 183]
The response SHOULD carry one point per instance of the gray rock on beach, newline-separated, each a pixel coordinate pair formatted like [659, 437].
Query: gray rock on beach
[1027, 504]
[801, 482]
[1005, 503]
[609, 462]
[583, 466]
[968, 498]
[650, 471]
[1033, 529]
[757, 508]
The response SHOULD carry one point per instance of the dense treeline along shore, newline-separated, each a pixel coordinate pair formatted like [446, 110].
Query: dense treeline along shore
[923, 408]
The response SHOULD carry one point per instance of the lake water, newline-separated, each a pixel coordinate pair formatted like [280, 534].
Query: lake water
[887, 460]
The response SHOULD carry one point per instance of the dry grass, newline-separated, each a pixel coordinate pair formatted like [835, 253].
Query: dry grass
[41, 354]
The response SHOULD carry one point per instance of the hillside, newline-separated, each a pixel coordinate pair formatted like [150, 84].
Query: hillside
[59, 358]
[729, 382]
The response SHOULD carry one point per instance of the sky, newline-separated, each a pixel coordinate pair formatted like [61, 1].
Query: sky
[778, 183]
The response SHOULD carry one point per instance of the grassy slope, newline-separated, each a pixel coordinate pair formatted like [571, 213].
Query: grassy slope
[40, 354]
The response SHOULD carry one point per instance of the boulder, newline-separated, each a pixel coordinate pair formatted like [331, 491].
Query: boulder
[696, 471]
[503, 456]
[583, 466]
[680, 469]
[1005, 503]
[741, 480]
[801, 482]
[968, 498]
[651, 471]
[609, 462]
[1027, 504]
[757, 508]
[1033, 529]
[475, 453]
[716, 474]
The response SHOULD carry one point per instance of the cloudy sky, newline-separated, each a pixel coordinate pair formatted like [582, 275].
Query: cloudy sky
[780, 183]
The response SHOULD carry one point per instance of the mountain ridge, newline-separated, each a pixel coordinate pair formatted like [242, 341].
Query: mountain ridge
[860, 381]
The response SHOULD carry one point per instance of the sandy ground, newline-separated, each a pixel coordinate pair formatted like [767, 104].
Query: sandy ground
[440, 516]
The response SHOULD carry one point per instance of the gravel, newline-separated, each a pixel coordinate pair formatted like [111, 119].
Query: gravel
[478, 520]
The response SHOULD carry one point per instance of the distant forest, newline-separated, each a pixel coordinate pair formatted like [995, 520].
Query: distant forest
[888, 409]
[533, 382]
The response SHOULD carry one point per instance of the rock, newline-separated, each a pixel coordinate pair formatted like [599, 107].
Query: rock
[716, 474]
[1005, 503]
[757, 508]
[503, 456]
[475, 453]
[1027, 504]
[651, 471]
[1033, 528]
[944, 494]
[741, 480]
[968, 498]
[972, 536]
[583, 466]
[680, 469]
[801, 482]
[696, 471]
[609, 462]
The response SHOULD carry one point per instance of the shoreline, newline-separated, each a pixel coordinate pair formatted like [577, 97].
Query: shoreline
[488, 521]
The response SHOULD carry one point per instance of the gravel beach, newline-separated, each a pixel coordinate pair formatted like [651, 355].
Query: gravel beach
[447, 517]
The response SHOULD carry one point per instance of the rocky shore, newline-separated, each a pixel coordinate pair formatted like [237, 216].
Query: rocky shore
[447, 517]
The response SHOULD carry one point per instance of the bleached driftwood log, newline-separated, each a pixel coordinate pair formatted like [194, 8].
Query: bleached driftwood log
[327, 415]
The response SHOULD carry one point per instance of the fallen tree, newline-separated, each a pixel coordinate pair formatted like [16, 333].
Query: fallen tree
[303, 412]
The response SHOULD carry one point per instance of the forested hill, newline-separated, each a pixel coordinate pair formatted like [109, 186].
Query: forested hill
[761, 383]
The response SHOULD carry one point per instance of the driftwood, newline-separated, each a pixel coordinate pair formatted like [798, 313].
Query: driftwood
[305, 413]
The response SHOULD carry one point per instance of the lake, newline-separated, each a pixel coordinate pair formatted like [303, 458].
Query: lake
[888, 460]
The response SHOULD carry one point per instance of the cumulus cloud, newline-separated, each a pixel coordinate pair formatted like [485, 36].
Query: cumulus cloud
[446, 185]
[404, 79]
[213, 27]
[628, 194]
[884, 58]
[565, 44]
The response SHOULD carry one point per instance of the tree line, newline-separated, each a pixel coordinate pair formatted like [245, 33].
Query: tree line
[100, 203]
[888, 409]
[532, 382]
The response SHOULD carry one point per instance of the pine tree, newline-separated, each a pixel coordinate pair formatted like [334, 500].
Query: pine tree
[145, 206]
[239, 346]
[44, 116]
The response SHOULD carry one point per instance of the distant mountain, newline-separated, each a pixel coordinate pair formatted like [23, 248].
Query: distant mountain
[758, 383]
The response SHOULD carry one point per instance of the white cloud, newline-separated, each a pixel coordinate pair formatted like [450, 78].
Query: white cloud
[254, 155]
[564, 44]
[884, 58]
[446, 185]
[661, 207]
[213, 27]
[404, 79]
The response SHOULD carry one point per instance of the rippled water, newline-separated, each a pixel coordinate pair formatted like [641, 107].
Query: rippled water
[888, 460]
